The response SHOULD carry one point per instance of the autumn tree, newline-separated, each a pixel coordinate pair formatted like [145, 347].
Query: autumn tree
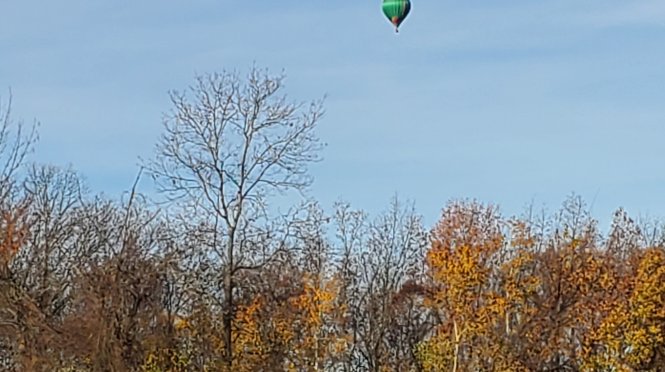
[228, 145]
[561, 287]
[465, 244]
[628, 330]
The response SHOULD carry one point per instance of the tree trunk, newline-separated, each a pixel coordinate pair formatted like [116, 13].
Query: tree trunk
[228, 301]
[457, 344]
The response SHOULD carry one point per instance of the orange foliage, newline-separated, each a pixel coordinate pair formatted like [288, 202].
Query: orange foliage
[14, 229]
[632, 334]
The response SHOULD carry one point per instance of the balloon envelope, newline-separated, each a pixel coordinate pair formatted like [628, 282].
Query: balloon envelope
[396, 11]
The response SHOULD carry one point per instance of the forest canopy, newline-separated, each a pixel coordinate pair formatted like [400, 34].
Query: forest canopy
[211, 279]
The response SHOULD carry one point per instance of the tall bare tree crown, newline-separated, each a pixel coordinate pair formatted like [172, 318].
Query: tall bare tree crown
[229, 141]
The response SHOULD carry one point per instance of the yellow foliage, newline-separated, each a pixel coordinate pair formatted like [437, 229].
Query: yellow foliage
[631, 335]
[459, 261]
[166, 360]
[320, 337]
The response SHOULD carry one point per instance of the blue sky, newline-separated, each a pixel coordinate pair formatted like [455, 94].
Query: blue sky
[507, 102]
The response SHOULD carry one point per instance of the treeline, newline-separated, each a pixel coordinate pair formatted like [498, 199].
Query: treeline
[211, 278]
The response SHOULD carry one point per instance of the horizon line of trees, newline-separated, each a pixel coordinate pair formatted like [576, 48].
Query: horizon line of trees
[210, 279]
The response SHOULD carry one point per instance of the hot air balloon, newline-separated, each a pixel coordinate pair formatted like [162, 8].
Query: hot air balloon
[396, 11]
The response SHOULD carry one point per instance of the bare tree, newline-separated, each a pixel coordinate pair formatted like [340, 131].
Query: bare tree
[225, 149]
[46, 264]
[16, 142]
[381, 262]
